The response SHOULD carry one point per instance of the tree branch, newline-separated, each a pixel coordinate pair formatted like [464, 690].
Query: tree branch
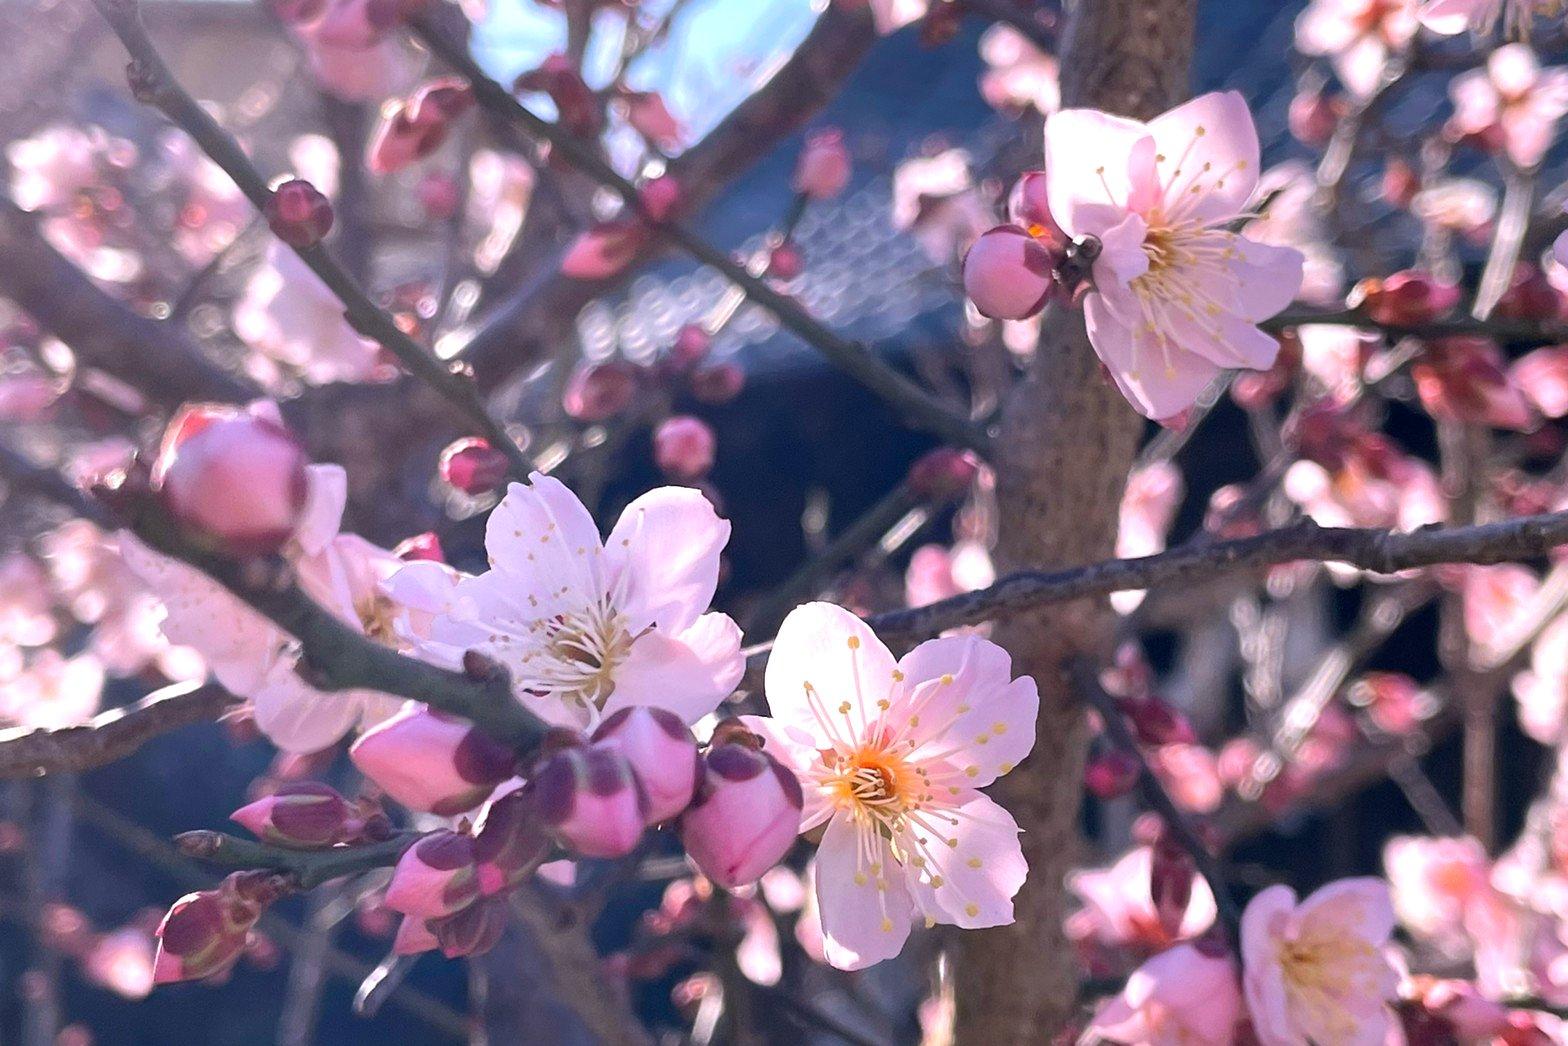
[1521, 332]
[854, 358]
[309, 868]
[111, 735]
[154, 83]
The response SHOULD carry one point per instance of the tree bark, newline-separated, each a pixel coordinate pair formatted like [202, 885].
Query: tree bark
[1066, 444]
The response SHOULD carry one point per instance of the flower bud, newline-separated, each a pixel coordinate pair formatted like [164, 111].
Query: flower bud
[1401, 182]
[659, 197]
[413, 936]
[1007, 273]
[432, 762]
[1405, 299]
[683, 448]
[1530, 296]
[590, 799]
[692, 345]
[1156, 722]
[298, 213]
[1171, 874]
[578, 108]
[604, 249]
[785, 262]
[434, 877]
[1313, 117]
[205, 932]
[943, 473]
[717, 384]
[662, 753]
[600, 391]
[1111, 775]
[745, 816]
[232, 477]
[823, 169]
[473, 466]
[473, 930]
[301, 815]
[509, 841]
[420, 548]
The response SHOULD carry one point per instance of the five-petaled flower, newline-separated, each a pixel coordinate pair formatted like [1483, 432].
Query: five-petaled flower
[1177, 295]
[890, 754]
[588, 626]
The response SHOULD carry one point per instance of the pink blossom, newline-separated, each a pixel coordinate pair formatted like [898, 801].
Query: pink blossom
[122, 961]
[1316, 971]
[823, 169]
[1335, 355]
[1177, 295]
[1120, 905]
[1459, 205]
[589, 626]
[49, 169]
[1357, 36]
[26, 609]
[1374, 484]
[213, 212]
[1451, 17]
[53, 692]
[684, 447]
[890, 754]
[1294, 220]
[352, 52]
[290, 317]
[1542, 690]
[1433, 881]
[937, 573]
[1148, 509]
[1496, 599]
[935, 200]
[1018, 74]
[1191, 774]
[1181, 997]
[1513, 99]
[1542, 376]
[253, 657]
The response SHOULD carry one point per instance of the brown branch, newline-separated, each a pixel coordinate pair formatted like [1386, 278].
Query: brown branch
[158, 358]
[153, 82]
[307, 868]
[856, 359]
[111, 735]
[1521, 332]
[527, 328]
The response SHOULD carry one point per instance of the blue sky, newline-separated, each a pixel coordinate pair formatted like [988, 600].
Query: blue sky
[715, 54]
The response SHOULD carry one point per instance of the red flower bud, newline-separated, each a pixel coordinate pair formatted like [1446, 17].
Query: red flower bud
[578, 107]
[659, 197]
[691, 346]
[434, 877]
[473, 466]
[298, 213]
[745, 816]
[301, 815]
[943, 473]
[599, 391]
[1171, 874]
[1401, 182]
[785, 262]
[683, 448]
[1111, 775]
[205, 932]
[411, 130]
[719, 383]
[1007, 273]
[432, 762]
[1530, 296]
[1156, 722]
[823, 169]
[233, 477]
[1405, 299]
[509, 841]
[662, 753]
[590, 799]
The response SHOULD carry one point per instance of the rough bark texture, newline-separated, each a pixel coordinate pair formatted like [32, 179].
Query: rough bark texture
[1066, 444]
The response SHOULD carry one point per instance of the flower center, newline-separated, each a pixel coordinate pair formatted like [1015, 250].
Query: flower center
[1320, 972]
[576, 655]
[376, 614]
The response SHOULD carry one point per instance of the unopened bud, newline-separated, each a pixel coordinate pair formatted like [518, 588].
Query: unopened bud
[1008, 273]
[684, 447]
[943, 473]
[599, 391]
[301, 815]
[473, 466]
[717, 384]
[1111, 775]
[298, 214]
[591, 800]
[662, 753]
[432, 762]
[745, 816]
[436, 876]
[823, 169]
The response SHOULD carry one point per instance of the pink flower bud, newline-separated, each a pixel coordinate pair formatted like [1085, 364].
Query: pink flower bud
[432, 762]
[1171, 874]
[662, 753]
[603, 250]
[509, 841]
[590, 799]
[718, 384]
[413, 129]
[691, 346]
[578, 107]
[298, 213]
[823, 169]
[434, 877]
[233, 477]
[683, 448]
[600, 391]
[473, 466]
[1007, 273]
[1405, 299]
[413, 937]
[745, 816]
[426, 546]
[943, 473]
[660, 196]
[1156, 722]
[1029, 209]
[1313, 116]
[438, 194]
[205, 932]
[301, 815]
[473, 930]
[785, 262]
[1111, 775]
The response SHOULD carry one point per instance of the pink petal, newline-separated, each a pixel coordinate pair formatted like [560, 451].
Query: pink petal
[842, 661]
[1354, 907]
[543, 541]
[996, 731]
[1138, 364]
[1209, 144]
[665, 550]
[688, 674]
[1270, 278]
[1088, 180]
[326, 492]
[981, 874]
[865, 917]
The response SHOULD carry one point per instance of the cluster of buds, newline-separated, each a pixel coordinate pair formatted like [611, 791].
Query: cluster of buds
[233, 478]
[309, 815]
[745, 814]
[207, 931]
[1405, 299]
[432, 762]
[1154, 723]
[1011, 271]
[472, 466]
[1465, 379]
[412, 128]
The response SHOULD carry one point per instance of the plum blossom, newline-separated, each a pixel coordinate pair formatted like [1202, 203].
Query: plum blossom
[936, 201]
[26, 610]
[1451, 17]
[1542, 690]
[1119, 908]
[1177, 295]
[589, 626]
[1018, 74]
[53, 692]
[1433, 881]
[890, 755]
[1292, 220]
[1180, 997]
[1357, 36]
[937, 573]
[1513, 100]
[1148, 508]
[252, 656]
[290, 317]
[1315, 971]
[51, 167]
[352, 52]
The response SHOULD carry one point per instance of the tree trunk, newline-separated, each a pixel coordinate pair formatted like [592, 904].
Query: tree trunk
[1067, 441]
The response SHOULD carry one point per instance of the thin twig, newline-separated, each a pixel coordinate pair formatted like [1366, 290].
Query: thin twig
[310, 868]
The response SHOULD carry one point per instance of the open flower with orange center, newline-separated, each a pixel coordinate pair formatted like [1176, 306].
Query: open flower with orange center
[891, 754]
